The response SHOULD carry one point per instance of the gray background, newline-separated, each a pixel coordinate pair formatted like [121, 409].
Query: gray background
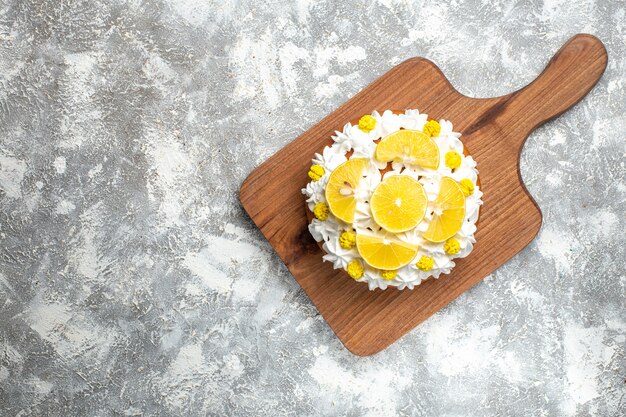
[133, 283]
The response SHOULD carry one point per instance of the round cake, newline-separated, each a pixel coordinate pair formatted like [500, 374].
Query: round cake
[394, 199]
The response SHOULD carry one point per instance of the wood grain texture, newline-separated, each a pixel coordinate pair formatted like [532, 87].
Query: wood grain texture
[494, 131]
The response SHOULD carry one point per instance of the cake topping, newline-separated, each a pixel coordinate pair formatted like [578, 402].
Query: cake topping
[316, 172]
[367, 123]
[409, 147]
[432, 128]
[320, 211]
[347, 240]
[448, 211]
[355, 269]
[452, 246]
[453, 160]
[384, 252]
[425, 263]
[399, 203]
[467, 186]
[342, 184]
[388, 275]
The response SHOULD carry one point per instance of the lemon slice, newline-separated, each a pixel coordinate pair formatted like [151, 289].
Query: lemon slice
[410, 147]
[398, 203]
[449, 212]
[388, 253]
[342, 185]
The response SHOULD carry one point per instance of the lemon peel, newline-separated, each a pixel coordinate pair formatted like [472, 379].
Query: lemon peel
[347, 240]
[452, 246]
[316, 172]
[467, 186]
[367, 123]
[432, 128]
[453, 160]
[355, 269]
[320, 211]
[425, 263]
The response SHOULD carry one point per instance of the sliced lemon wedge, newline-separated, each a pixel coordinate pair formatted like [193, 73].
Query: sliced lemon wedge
[449, 212]
[410, 147]
[398, 203]
[341, 188]
[387, 253]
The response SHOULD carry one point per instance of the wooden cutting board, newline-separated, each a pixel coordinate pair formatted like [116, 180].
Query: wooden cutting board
[494, 131]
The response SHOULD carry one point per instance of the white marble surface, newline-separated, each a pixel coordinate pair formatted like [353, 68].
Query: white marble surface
[133, 283]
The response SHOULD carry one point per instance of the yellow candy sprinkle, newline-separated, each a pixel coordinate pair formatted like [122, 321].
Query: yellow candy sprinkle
[388, 275]
[432, 128]
[425, 263]
[355, 269]
[316, 172]
[320, 211]
[347, 240]
[367, 123]
[453, 160]
[467, 186]
[452, 246]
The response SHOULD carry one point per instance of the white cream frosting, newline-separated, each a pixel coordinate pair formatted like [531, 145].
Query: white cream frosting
[362, 145]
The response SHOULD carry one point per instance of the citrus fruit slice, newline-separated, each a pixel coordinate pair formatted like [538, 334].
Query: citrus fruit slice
[342, 185]
[449, 212]
[388, 253]
[398, 203]
[410, 147]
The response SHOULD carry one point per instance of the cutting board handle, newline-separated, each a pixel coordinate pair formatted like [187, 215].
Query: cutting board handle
[568, 77]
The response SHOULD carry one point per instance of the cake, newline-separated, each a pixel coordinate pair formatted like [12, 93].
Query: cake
[394, 199]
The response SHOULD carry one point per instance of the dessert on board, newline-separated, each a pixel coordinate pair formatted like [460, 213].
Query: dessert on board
[394, 199]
